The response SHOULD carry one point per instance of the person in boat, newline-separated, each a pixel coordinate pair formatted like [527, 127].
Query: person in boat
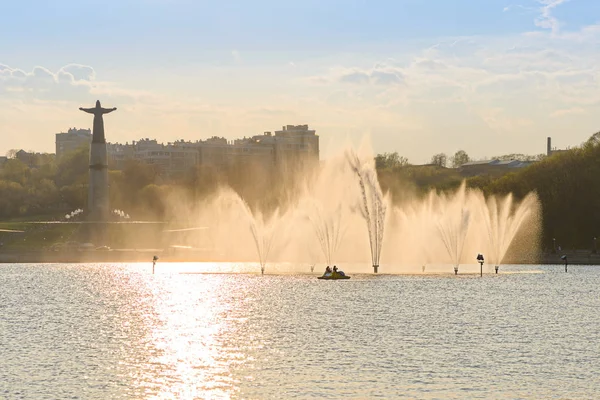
[328, 270]
[336, 271]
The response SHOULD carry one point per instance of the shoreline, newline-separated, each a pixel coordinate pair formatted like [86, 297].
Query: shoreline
[578, 257]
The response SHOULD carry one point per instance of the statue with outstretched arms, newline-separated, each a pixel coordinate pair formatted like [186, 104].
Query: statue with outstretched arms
[98, 130]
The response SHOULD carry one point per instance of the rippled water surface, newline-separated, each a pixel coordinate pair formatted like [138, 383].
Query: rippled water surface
[117, 331]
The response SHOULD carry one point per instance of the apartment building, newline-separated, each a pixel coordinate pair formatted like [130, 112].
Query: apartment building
[293, 144]
[72, 140]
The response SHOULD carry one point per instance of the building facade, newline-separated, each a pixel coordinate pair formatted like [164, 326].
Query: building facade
[72, 140]
[294, 144]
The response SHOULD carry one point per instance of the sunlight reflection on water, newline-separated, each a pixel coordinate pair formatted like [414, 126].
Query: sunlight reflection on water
[116, 331]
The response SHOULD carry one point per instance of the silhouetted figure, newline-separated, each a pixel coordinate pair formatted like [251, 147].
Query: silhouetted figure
[98, 111]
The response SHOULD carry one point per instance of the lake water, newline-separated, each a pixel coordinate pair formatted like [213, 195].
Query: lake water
[117, 331]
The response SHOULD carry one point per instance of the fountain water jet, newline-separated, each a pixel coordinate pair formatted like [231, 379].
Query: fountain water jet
[328, 228]
[453, 231]
[503, 219]
[372, 205]
[263, 233]
[453, 225]
[262, 229]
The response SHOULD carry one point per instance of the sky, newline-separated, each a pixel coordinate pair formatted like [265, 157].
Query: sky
[419, 77]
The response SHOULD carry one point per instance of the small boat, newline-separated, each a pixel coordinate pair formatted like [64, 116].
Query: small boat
[334, 275]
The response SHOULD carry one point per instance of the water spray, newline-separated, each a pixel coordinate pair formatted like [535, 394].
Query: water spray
[371, 206]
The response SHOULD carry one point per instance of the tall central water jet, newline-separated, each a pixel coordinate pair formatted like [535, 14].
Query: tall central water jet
[371, 206]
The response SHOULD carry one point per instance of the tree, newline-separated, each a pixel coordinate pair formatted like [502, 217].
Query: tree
[73, 168]
[460, 157]
[12, 153]
[390, 160]
[519, 157]
[439, 159]
[594, 139]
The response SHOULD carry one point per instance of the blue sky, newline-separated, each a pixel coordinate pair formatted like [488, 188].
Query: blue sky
[417, 77]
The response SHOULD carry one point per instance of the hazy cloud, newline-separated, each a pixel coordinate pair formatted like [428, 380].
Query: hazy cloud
[381, 75]
[357, 77]
[568, 111]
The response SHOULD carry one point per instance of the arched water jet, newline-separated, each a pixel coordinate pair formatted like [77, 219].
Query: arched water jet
[263, 233]
[262, 229]
[371, 205]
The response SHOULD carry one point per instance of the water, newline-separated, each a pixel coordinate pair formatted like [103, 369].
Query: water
[371, 205]
[116, 331]
[328, 229]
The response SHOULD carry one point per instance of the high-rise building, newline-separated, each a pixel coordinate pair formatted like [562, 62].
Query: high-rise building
[72, 140]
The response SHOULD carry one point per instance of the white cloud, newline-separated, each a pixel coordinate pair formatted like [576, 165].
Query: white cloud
[78, 72]
[546, 20]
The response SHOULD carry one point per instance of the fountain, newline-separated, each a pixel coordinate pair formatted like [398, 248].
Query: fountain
[263, 232]
[371, 205]
[453, 224]
[502, 220]
[453, 228]
[262, 229]
[325, 220]
[327, 227]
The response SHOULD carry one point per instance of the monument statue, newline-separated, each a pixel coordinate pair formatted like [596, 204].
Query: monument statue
[98, 111]
[98, 207]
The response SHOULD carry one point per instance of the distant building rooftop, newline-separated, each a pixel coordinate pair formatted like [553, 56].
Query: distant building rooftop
[480, 162]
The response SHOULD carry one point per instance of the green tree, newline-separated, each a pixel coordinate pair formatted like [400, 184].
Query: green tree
[390, 160]
[439, 159]
[73, 168]
[460, 157]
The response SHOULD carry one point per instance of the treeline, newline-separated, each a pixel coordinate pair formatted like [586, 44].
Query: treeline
[567, 184]
[50, 187]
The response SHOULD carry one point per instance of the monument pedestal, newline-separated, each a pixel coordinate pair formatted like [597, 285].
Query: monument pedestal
[98, 205]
